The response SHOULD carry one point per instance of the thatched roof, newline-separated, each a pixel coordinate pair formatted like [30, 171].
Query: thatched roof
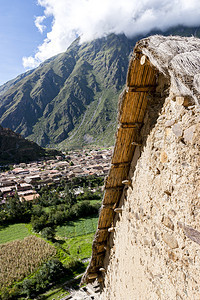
[176, 58]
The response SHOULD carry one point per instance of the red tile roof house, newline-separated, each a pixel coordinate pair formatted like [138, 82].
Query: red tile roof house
[29, 197]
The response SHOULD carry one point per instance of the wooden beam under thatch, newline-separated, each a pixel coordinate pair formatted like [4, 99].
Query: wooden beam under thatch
[151, 56]
[132, 110]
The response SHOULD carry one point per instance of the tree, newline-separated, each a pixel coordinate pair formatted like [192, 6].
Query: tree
[55, 269]
[59, 217]
[37, 210]
[15, 210]
[27, 287]
[69, 197]
[3, 216]
[38, 223]
[48, 233]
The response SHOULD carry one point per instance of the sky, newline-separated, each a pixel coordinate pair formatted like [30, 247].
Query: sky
[34, 30]
[19, 36]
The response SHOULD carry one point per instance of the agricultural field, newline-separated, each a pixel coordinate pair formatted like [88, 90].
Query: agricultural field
[13, 232]
[40, 256]
[82, 226]
[22, 257]
[78, 248]
[75, 239]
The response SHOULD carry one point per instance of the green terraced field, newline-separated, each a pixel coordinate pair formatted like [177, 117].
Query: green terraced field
[76, 238]
[77, 228]
[13, 232]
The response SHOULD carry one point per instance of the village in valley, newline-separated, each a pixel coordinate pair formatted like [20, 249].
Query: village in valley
[25, 179]
[49, 208]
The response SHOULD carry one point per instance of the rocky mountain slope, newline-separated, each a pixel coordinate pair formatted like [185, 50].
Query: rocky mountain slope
[70, 100]
[14, 148]
[71, 97]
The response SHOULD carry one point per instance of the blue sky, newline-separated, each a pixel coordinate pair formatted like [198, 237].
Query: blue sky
[34, 30]
[18, 35]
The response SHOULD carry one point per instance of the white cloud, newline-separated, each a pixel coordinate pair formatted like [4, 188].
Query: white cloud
[96, 18]
[38, 23]
[30, 62]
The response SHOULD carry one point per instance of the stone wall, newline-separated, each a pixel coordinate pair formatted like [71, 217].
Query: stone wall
[155, 249]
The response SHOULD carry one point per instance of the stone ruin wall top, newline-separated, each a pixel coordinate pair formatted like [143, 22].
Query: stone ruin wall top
[152, 241]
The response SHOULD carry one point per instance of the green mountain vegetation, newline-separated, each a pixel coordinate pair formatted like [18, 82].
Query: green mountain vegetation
[70, 100]
[14, 148]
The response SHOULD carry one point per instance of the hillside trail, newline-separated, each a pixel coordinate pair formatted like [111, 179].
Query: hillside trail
[88, 292]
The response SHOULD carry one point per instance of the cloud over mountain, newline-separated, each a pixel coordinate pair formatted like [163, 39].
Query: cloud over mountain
[96, 18]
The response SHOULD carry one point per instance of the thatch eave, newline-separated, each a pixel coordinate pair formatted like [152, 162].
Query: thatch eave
[178, 59]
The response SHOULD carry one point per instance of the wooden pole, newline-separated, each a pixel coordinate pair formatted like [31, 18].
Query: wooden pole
[127, 182]
[118, 210]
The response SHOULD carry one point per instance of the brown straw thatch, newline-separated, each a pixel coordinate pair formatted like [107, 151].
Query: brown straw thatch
[176, 58]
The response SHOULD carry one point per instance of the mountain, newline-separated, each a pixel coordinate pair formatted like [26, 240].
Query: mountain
[72, 97]
[70, 100]
[14, 148]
